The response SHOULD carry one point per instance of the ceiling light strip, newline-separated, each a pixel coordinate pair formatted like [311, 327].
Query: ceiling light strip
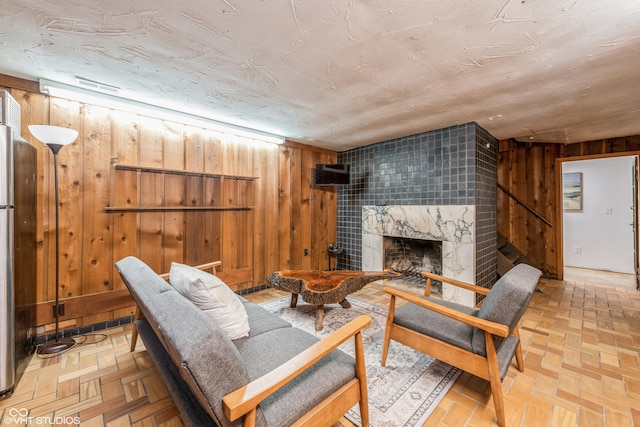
[74, 93]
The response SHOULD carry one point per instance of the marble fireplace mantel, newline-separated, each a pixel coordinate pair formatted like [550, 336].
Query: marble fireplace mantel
[452, 225]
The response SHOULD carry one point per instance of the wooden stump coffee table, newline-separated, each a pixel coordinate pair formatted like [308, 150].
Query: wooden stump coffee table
[324, 287]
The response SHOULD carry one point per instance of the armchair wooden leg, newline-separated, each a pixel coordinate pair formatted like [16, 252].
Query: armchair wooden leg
[250, 418]
[134, 331]
[134, 338]
[387, 330]
[361, 372]
[495, 381]
[519, 359]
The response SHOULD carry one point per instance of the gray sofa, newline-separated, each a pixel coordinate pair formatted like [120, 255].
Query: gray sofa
[276, 376]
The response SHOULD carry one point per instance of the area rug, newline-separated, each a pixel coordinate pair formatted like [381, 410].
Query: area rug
[406, 391]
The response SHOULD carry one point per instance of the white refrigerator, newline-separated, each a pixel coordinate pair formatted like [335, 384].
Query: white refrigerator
[17, 254]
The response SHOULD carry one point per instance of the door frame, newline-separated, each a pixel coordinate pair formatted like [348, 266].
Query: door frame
[559, 210]
[636, 218]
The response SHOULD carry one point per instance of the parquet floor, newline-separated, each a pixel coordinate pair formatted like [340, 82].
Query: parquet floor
[581, 344]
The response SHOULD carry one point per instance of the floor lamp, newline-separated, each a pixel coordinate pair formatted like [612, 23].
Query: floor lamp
[55, 137]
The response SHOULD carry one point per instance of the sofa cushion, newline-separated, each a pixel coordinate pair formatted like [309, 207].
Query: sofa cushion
[213, 296]
[271, 349]
[261, 320]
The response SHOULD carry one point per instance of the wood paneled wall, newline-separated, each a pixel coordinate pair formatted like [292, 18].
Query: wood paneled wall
[530, 172]
[289, 225]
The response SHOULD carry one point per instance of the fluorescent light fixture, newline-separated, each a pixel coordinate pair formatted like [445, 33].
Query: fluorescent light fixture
[104, 99]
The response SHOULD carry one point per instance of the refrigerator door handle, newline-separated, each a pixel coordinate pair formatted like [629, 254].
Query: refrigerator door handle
[6, 167]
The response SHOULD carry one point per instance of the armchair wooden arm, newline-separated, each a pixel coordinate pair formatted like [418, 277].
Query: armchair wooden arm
[245, 399]
[458, 283]
[493, 328]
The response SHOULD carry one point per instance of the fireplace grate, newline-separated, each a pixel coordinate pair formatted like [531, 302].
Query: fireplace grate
[411, 274]
[411, 277]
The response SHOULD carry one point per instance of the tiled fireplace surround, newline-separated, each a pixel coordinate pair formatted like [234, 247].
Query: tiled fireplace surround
[438, 185]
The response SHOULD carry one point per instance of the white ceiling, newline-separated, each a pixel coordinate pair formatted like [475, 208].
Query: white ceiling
[341, 74]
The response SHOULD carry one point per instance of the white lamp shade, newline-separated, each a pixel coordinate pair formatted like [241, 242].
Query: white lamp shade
[53, 134]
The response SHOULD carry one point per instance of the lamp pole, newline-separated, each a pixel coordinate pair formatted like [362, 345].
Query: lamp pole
[55, 138]
[59, 343]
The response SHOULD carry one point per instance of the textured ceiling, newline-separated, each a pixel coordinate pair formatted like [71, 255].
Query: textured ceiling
[341, 74]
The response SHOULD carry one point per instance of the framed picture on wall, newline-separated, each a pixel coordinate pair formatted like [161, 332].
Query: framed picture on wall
[572, 191]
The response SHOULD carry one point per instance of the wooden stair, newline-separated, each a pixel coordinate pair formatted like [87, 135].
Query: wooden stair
[508, 256]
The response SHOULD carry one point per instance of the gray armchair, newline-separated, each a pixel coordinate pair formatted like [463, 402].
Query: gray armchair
[481, 341]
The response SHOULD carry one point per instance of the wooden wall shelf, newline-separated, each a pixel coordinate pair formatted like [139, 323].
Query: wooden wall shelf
[201, 191]
[181, 172]
[174, 208]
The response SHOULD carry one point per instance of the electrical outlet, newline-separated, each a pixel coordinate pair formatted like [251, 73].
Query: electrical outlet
[59, 308]
[577, 249]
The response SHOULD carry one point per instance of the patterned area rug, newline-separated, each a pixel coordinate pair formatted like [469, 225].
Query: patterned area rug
[407, 390]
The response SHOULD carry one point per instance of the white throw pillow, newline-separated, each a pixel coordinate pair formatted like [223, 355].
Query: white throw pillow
[213, 296]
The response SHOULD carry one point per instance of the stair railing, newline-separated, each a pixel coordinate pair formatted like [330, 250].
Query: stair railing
[524, 205]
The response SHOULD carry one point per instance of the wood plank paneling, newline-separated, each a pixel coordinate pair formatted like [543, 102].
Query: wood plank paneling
[527, 171]
[271, 236]
[297, 248]
[173, 222]
[96, 234]
[267, 218]
[268, 202]
[244, 197]
[70, 173]
[549, 198]
[35, 110]
[123, 192]
[195, 222]
[212, 155]
[286, 195]
[323, 224]
[17, 84]
[306, 218]
[150, 193]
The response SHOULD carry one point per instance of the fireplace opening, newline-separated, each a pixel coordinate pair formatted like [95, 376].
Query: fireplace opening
[411, 257]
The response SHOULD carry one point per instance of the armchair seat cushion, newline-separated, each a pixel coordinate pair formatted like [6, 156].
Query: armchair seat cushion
[435, 324]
